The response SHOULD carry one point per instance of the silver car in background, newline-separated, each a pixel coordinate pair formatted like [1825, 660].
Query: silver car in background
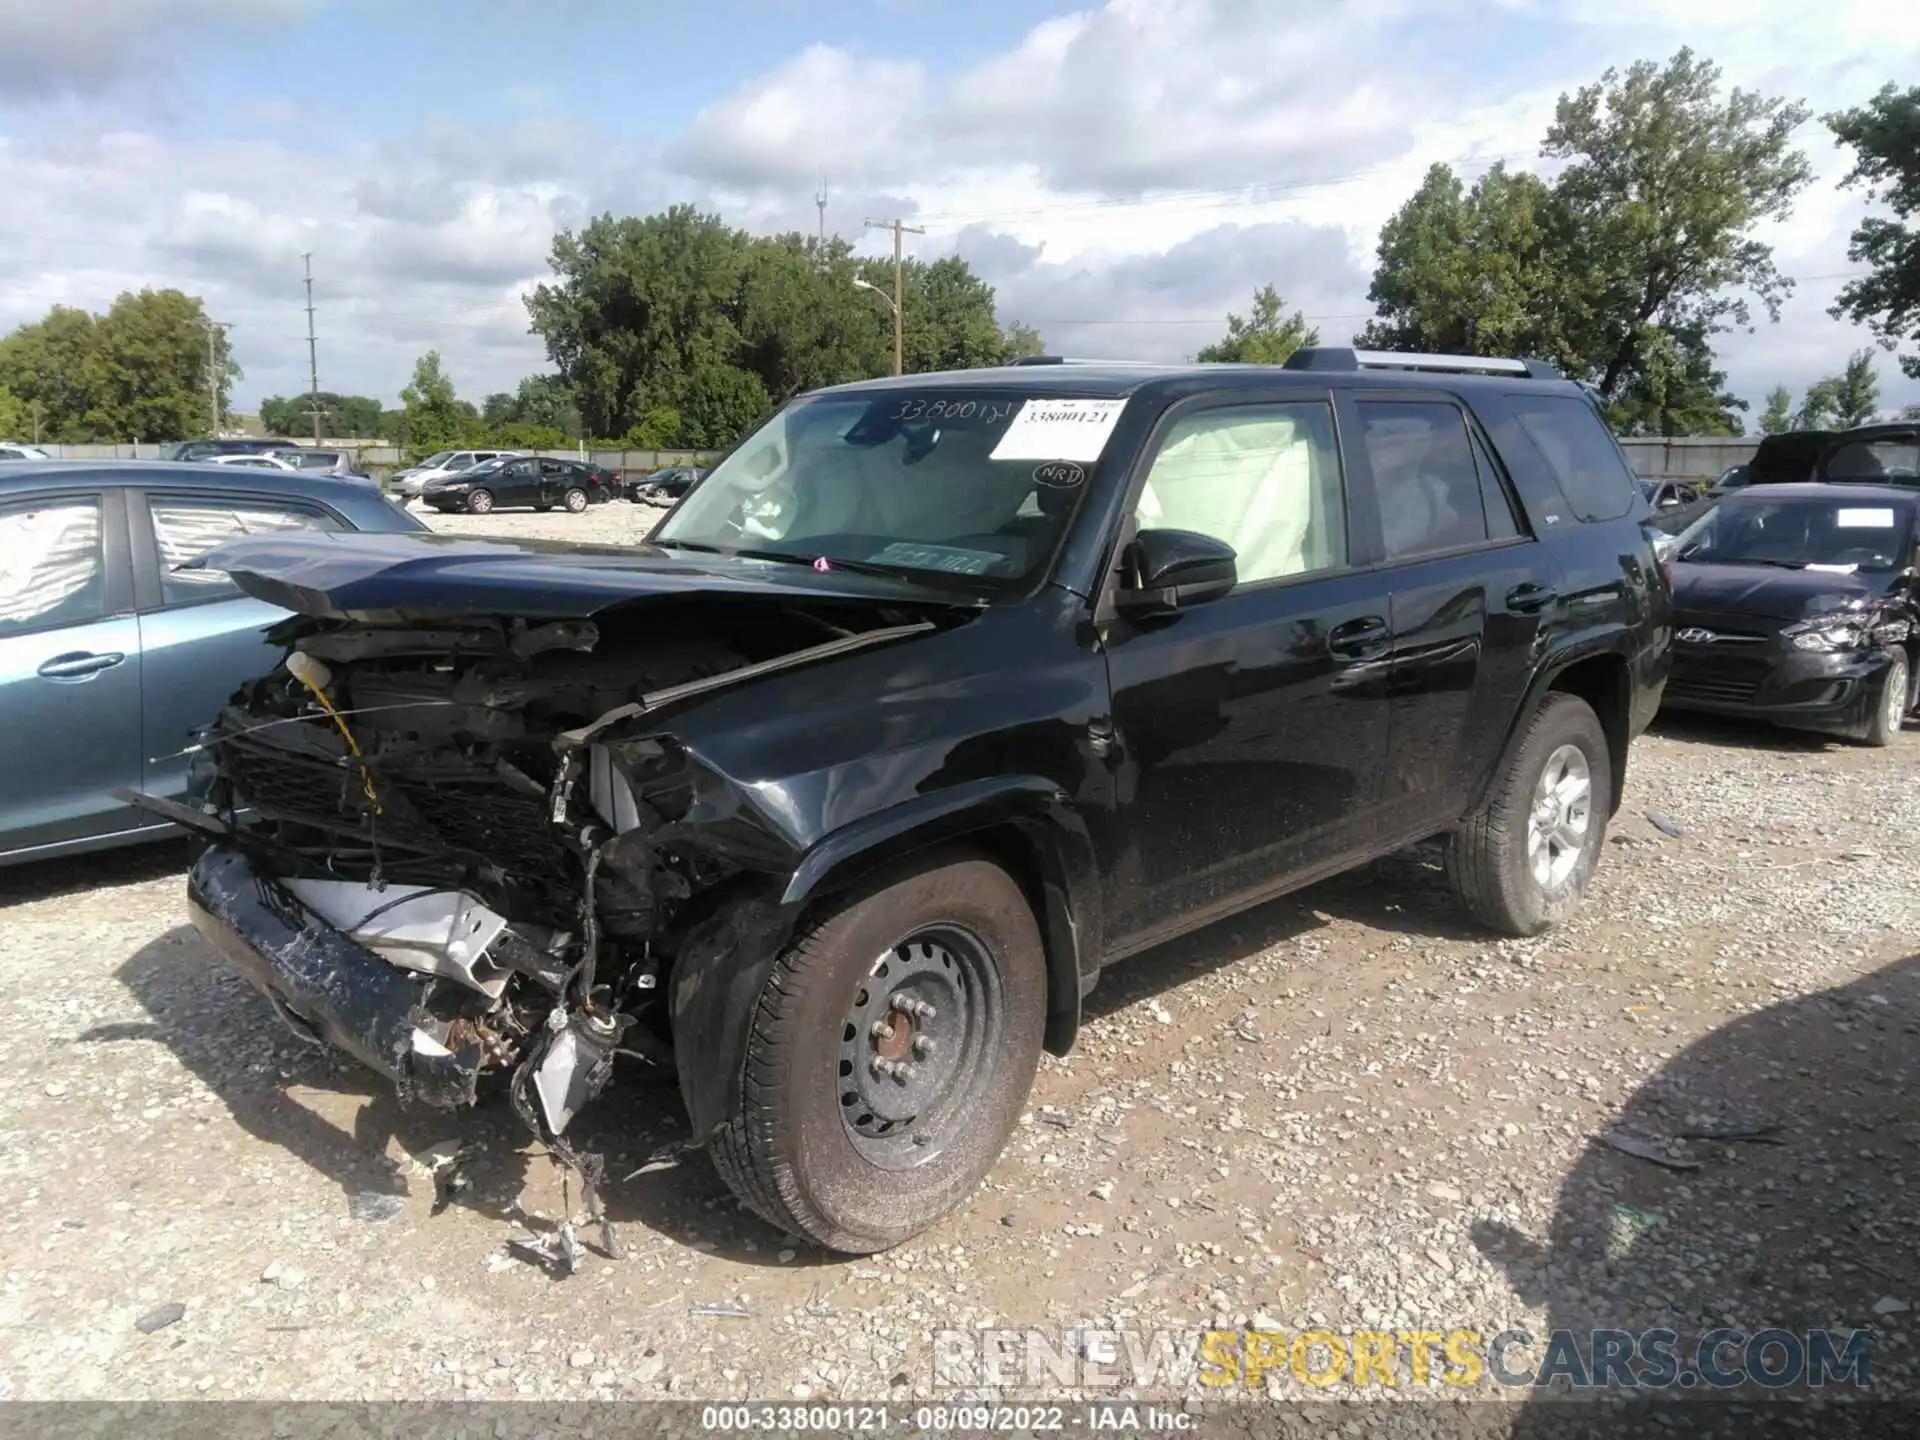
[407, 484]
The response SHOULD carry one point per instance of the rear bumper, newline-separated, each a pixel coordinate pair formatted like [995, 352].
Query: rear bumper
[1803, 689]
[327, 986]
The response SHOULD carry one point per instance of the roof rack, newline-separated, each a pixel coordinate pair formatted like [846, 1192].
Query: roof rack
[1342, 357]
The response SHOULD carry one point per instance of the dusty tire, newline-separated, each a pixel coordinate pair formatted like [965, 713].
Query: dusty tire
[480, 502]
[1891, 713]
[802, 1148]
[1504, 864]
[575, 500]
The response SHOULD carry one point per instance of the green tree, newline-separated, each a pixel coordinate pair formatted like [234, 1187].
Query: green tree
[1819, 407]
[16, 416]
[56, 364]
[1856, 391]
[722, 403]
[1018, 340]
[1885, 137]
[656, 431]
[1266, 336]
[1677, 390]
[349, 417]
[1778, 416]
[1471, 272]
[1665, 183]
[142, 371]
[435, 419]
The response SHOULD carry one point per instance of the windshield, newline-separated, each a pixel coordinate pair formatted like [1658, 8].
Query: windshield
[969, 487]
[1896, 458]
[1798, 534]
[436, 460]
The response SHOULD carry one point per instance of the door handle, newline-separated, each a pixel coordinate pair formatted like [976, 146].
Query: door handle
[79, 664]
[1531, 598]
[1357, 639]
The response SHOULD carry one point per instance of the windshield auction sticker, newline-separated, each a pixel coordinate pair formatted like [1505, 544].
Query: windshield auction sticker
[1059, 430]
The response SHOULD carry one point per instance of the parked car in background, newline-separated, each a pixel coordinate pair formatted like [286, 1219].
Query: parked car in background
[313, 460]
[262, 461]
[1873, 454]
[521, 481]
[1796, 604]
[936, 698]
[1669, 494]
[410, 482]
[664, 486]
[109, 656]
[1732, 478]
[225, 445]
[13, 450]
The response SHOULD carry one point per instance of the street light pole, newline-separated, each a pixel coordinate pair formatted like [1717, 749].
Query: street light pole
[899, 228]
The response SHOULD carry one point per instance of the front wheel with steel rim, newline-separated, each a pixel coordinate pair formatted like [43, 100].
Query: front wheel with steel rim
[1891, 713]
[1521, 862]
[480, 501]
[575, 500]
[891, 1051]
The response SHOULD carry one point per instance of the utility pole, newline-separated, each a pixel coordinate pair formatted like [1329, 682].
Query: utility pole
[313, 359]
[899, 228]
[214, 328]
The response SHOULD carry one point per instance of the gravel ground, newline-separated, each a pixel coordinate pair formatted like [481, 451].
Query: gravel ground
[1346, 1109]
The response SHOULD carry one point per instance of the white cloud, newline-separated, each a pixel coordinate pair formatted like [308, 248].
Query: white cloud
[1124, 175]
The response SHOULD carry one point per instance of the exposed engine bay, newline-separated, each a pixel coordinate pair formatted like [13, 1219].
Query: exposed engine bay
[499, 811]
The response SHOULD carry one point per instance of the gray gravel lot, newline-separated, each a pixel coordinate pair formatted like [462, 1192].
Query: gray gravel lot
[1347, 1109]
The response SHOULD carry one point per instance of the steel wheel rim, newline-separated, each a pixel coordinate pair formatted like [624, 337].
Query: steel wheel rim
[480, 502]
[917, 1045]
[1896, 701]
[1561, 817]
[576, 501]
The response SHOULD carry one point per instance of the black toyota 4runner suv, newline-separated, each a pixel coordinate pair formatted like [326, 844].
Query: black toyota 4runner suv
[935, 698]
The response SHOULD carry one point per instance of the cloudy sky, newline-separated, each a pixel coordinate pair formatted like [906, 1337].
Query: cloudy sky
[1124, 172]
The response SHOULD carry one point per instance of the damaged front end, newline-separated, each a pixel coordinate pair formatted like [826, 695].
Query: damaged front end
[469, 848]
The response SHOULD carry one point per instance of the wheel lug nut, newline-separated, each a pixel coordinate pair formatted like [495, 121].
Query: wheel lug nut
[903, 1072]
[922, 1046]
[881, 1030]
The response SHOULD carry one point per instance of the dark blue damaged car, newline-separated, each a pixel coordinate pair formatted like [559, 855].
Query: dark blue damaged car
[932, 700]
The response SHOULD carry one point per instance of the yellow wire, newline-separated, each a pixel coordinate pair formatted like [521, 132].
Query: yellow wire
[353, 745]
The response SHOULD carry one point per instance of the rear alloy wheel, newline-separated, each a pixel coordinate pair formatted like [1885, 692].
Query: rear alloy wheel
[1891, 713]
[1522, 861]
[479, 502]
[892, 1049]
[575, 500]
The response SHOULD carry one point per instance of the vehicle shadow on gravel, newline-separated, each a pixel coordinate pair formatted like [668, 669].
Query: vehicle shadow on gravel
[1783, 1195]
[1729, 732]
[225, 1033]
[77, 874]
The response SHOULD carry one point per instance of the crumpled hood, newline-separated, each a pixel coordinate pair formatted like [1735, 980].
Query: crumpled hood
[350, 573]
[1771, 593]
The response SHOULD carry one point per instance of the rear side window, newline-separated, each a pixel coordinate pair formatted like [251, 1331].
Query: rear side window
[1572, 440]
[52, 571]
[1424, 477]
[185, 527]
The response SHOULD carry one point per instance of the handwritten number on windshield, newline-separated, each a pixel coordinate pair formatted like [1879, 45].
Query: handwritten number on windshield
[987, 412]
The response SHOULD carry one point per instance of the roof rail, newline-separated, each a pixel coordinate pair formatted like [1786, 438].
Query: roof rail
[1072, 360]
[1342, 357]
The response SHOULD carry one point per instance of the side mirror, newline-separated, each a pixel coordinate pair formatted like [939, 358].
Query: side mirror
[1172, 570]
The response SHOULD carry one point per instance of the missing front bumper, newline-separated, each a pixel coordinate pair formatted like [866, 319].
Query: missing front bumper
[344, 993]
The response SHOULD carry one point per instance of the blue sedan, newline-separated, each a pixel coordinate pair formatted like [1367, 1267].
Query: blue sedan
[111, 657]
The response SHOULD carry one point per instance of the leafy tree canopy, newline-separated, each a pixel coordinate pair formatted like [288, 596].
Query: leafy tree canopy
[1885, 137]
[1265, 336]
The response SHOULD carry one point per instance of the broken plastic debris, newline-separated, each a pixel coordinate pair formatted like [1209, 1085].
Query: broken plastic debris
[375, 1207]
[665, 1158]
[1664, 826]
[1633, 1215]
[160, 1317]
[1646, 1150]
[722, 1312]
[558, 1248]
